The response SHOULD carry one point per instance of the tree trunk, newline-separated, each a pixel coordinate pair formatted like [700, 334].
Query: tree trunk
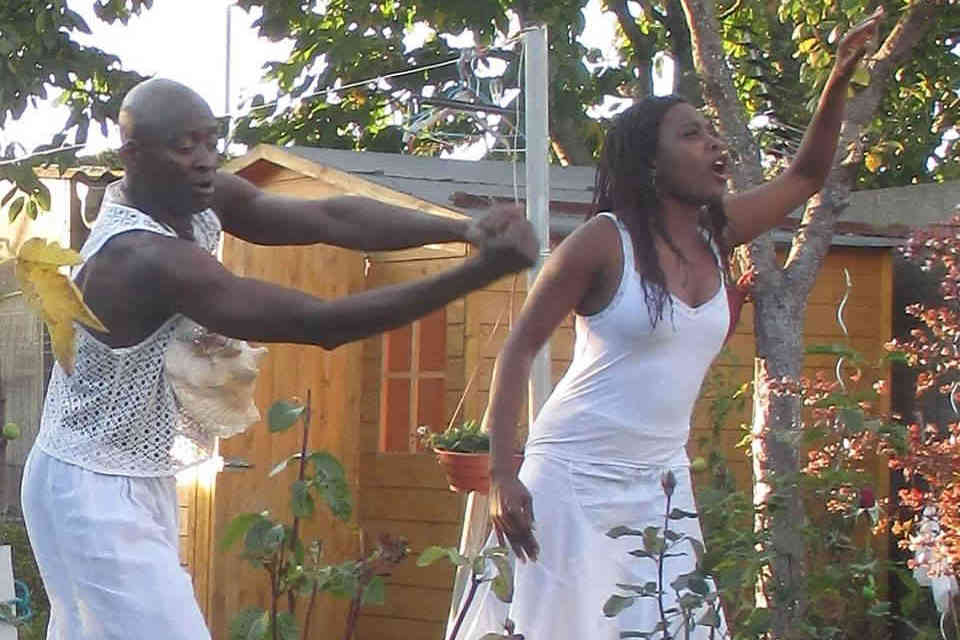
[780, 297]
[569, 141]
[644, 47]
[687, 82]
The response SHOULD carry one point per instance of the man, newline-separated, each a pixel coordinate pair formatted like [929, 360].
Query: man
[99, 495]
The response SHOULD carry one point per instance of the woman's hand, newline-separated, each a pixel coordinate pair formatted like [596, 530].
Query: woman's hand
[511, 510]
[854, 44]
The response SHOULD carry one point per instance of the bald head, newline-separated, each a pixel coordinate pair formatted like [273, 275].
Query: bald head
[158, 109]
[169, 148]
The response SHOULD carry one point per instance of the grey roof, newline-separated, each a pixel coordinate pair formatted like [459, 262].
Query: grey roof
[874, 218]
[435, 179]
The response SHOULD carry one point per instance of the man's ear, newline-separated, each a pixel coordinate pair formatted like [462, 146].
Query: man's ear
[129, 153]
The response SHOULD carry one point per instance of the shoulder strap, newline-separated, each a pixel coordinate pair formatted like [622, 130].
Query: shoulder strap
[625, 240]
[113, 220]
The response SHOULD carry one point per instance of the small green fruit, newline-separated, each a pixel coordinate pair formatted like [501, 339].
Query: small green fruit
[11, 431]
[699, 464]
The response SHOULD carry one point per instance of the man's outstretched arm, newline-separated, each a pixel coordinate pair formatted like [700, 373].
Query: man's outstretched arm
[194, 284]
[352, 222]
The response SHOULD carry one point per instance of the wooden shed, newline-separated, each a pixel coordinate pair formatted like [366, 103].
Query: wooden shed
[375, 394]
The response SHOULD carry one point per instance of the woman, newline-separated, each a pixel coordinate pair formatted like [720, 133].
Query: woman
[646, 282]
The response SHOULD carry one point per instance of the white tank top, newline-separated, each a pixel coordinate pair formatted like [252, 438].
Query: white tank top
[629, 392]
[117, 413]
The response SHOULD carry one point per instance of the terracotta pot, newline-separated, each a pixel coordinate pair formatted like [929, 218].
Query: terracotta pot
[469, 471]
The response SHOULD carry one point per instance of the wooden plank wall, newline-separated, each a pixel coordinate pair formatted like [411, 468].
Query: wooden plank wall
[21, 383]
[406, 494]
[869, 320]
[334, 378]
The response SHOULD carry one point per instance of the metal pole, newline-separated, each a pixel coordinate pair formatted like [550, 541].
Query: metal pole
[226, 83]
[537, 187]
[476, 525]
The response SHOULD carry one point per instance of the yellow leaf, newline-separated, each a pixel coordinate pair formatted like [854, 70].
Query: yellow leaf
[861, 75]
[874, 161]
[54, 295]
[62, 335]
[39, 250]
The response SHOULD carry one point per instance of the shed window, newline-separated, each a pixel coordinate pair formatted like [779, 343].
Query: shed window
[413, 389]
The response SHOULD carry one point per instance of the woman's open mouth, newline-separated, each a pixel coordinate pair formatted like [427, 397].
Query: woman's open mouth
[719, 168]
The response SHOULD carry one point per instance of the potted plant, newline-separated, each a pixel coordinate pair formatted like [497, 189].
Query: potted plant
[464, 453]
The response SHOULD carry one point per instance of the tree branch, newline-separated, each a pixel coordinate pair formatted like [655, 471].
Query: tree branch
[685, 74]
[643, 45]
[721, 96]
[812, 240]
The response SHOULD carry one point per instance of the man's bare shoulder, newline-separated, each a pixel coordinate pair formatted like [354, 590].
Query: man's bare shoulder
[142, 261]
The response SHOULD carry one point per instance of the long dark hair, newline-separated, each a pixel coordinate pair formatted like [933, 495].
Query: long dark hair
[626, 184]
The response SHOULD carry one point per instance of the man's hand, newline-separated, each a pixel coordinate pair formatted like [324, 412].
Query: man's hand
[510, 245]
[482, 229]
[853, 46]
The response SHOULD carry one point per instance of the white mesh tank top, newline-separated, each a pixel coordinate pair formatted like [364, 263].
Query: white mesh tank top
[629, 392]
[117, 413]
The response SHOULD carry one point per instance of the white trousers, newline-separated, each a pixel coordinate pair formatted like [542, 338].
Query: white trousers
[107, 549]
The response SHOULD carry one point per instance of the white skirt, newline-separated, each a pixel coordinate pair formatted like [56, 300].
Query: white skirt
[561, 595]
[107, 549]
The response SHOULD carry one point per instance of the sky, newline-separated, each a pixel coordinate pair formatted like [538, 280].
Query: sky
[185, 40]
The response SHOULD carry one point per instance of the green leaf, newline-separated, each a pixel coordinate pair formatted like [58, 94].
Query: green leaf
[711, 618]
[698, 549]
[263, 538]
[287, 627]
[42, 197]
[759, 621]
[434, 553]
[615, 604]
[852, 419]
[250, 624]
[336, 494]
[376, 592]
[689, 601]
[282, 465]
[238, 528]
[327, 466]
[15, 208]
[619, 532]
[10, 194]
[503, 583]
[699, 586]
[680, 582]
[680, 514]
[32, 210]
[648, 589]
[283, 415]
[833, 350]
[301, 500]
